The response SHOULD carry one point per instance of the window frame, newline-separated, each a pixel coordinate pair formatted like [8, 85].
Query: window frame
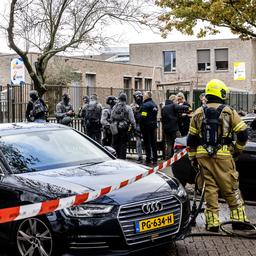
[138, 83]
[148, 83]
[205, 63]
[215, 62]
[173, 61]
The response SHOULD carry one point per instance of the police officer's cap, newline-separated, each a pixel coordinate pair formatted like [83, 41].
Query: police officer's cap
[33, 93]
[110, 100]
[94, 97]
[65, 95]
[122, 96]
[86, 98]
[138, 94]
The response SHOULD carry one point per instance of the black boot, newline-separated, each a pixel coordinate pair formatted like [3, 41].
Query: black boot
[213, 229]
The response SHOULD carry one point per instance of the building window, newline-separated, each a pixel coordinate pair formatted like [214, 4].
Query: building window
[148, 84]
[221, 59]
[137, 83]
[203, 60]
[127, 83]
[169, 61]
[90, 80]
[127, 87]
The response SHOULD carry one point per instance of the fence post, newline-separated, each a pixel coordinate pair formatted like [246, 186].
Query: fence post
[13, 110]
[247, 101]
[1, 106]
[8, 103]
[20, 104]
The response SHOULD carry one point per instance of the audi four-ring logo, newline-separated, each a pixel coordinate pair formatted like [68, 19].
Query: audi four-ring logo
[152, 207]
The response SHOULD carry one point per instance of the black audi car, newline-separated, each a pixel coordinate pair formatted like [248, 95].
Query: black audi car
[39, 162]
[245, 163]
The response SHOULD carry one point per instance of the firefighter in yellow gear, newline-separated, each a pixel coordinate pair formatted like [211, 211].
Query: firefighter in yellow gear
[217, 161]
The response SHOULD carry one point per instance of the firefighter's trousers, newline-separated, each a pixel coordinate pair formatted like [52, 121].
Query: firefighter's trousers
[220, 175]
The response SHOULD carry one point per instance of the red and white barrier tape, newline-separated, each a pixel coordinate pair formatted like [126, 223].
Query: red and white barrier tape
[31, 210]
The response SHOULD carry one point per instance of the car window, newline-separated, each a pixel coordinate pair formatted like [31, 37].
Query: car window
[251, 132]
[43, 150]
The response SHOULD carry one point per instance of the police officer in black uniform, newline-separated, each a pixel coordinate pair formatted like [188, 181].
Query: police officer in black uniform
[138, 100]
[106, 121]
[82, 111]
[122, 117]
[148, 126]
[170, 113]
[36, 108]
[92, 118]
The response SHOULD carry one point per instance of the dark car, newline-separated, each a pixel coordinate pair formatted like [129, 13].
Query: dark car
[245, 163]
[40, 162]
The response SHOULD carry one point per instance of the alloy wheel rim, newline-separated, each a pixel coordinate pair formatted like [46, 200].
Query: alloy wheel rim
[34, 238]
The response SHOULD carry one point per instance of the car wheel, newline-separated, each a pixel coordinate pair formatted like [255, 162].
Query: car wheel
[34, 238]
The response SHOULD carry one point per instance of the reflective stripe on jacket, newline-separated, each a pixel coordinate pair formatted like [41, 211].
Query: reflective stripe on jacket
[231, 123]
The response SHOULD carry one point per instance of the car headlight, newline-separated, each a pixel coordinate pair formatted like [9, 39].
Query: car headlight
[181, 192]
[88, 210]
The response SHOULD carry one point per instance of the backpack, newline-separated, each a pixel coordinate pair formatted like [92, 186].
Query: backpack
[93, 115]
[120, 115]
[212, 137]
[38, 108]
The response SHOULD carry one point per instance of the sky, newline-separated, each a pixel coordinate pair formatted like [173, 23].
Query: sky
[144, 35]
[126, 34]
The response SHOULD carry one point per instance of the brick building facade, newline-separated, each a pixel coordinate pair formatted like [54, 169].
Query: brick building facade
[201, 60]
[94, 73]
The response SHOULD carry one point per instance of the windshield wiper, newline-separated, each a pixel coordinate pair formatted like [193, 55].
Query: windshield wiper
[91, 163]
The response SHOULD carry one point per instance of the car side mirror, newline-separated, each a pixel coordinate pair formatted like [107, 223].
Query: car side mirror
[111, 150]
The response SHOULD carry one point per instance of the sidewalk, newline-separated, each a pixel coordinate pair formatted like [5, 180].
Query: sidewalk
[209, 245]
[213, 245]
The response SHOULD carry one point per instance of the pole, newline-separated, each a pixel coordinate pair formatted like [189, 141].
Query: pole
[8, 103]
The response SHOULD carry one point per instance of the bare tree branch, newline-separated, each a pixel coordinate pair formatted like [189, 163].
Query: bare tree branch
[55, 26]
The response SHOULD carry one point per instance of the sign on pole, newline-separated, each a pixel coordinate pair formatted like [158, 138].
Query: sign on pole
[239, 71]
[17, 71]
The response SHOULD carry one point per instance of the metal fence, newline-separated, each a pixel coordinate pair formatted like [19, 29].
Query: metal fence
[131, 145]
[14, 99]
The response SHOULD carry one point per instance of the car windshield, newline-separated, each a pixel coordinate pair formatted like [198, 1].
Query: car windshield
[37, 151]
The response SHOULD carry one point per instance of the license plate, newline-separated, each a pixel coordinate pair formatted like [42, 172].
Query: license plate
[154, 223]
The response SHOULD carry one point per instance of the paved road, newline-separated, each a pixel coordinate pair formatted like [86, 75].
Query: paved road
[212, 245]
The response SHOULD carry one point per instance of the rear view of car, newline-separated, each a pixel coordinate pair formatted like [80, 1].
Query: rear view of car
[246, 162]
[182, 169]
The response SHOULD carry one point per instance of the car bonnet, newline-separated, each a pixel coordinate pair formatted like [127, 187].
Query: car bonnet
[80, 179]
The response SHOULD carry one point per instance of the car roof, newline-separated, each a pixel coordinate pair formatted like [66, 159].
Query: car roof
[248, 117]
[24, 127]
